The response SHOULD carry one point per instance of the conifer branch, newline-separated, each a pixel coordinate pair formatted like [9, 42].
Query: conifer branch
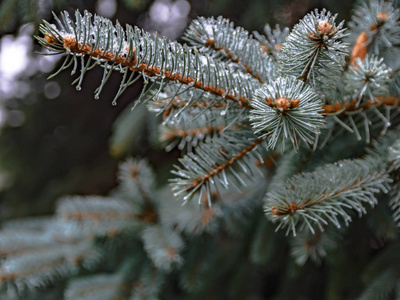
[137, 178]
[211, 43]
[177, 104]
[37, 268]
[151, 71]
[172, 103]
[380, 21]
[136, 51]
[221, 167]
[188, 128]
[236, 44]
[163, 246]
[213, 162]
[327, 194]
[273, 39]
[313, 51]
[94, 209]
[308, 246]
[287, 109]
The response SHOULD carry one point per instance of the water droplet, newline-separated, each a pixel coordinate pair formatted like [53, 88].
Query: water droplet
[388, 124]
[78, 88]
[114, 103]
[96, 97]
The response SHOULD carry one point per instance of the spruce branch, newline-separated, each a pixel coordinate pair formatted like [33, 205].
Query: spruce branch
[14, 241]
[313, 51]
[174, 100]
[236, 44]
[287, 109]
[191, 218]
[381, 23]
[135, 51]
[189, 138]
[232, 154]
[189, 128]
[368, 78]
[273, 39]
[313, 246]
[137, 178]
[37, 268]
[327, 194]
[163, 246]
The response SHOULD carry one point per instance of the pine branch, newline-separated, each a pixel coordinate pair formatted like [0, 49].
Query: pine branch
[313, 51]
[137, 179]
[190, 127]
[134, 51]
[211, 164]
[115, 49]
[381, 23]
[234, 43]
[97, 215]
[273, 39]
[191, 218]
[368, 79]
[287, 109]
[163, 246]
[313, 246]
[326, 195]
[37, 268]
[13, 241]
[174, 100]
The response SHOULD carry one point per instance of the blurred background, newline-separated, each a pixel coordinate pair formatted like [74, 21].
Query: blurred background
[56, 141]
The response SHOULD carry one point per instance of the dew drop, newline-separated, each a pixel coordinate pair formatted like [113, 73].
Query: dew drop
[78, 88]
[114, 103]
[96, 97]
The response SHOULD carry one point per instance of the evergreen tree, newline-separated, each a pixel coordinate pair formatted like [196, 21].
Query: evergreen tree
[293, 130]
